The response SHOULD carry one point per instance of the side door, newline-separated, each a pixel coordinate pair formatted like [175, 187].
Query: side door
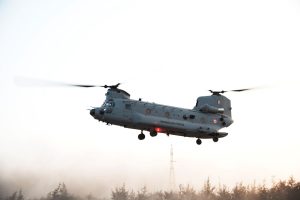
[128, 111]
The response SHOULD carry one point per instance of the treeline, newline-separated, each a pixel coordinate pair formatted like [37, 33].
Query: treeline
[281, 190]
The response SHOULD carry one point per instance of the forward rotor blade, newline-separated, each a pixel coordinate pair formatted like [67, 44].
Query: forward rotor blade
[85, 86]
[46, 83]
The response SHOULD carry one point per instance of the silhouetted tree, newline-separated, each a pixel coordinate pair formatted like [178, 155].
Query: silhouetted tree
[294, 192]
[171, 195]
[223, 193]
[131, 195]
[16, 196]
[187, 193]
[142, 194]
[251, 192]
[157, 196]
[207, 192]
[278, 191]
[281, 190]
[60, 193]
[239, 192]
[263, 193]
[120, 193]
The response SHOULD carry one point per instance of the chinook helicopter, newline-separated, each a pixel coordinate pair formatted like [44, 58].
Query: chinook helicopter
[209, 115]
[203, 121]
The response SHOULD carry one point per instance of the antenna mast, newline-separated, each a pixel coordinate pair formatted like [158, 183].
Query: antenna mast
[172, 172]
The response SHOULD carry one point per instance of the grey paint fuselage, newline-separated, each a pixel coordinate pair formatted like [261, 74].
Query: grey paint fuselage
[119, 109]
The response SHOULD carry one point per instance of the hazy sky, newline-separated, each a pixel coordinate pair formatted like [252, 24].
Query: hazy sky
[168, 52]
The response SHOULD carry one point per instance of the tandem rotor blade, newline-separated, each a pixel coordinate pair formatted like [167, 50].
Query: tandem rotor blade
[237, 90]
[22, 81]
[241, 90]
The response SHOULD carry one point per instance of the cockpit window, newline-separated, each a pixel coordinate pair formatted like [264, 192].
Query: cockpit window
[108, 106]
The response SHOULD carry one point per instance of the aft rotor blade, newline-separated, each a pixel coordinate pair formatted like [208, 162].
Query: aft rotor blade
[237, 90]
[240, 90]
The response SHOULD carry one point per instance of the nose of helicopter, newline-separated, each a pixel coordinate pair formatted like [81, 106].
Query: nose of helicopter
[92, 112]
[97, 113]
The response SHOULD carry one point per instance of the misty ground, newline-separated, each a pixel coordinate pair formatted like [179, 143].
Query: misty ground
[281, 190]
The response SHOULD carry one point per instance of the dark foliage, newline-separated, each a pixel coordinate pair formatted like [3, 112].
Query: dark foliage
[281, 190]
[16, 196]
[59, 193]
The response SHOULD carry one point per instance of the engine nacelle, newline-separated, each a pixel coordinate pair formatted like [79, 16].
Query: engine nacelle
[214, 104]
[211, 109]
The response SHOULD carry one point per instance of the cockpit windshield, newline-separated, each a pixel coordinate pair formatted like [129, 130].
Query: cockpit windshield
[108, 106]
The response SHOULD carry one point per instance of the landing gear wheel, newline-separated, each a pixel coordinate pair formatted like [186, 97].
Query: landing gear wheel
[153, 133]
[141, 136]
[198, 141]
[215, 139]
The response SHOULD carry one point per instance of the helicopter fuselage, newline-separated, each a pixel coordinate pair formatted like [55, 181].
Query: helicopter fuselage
[200, 122]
